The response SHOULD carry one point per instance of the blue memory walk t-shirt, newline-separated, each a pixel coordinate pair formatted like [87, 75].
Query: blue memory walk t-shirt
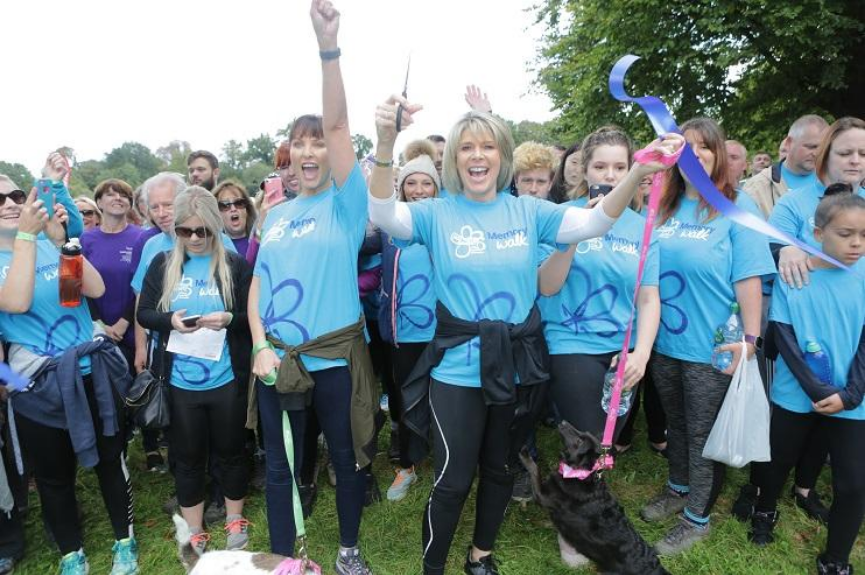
[47, 328]
[701, 262]
[485, 259]
[158, 244]
[797, 181]
[415, 296]
[794, 212]
[831, 311]
[590, 313]
[307, 265]
[198, 294]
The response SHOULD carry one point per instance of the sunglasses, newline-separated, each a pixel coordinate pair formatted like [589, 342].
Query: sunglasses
[17, 197]
[225, 206]
[86, 213]
[186, 233]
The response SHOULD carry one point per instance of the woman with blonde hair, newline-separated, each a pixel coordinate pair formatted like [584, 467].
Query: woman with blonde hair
[90, 212]
[483, 243]
[200, 285]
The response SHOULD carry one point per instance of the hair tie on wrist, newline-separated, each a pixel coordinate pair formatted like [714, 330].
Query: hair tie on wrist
[381, 164]
[329, 54]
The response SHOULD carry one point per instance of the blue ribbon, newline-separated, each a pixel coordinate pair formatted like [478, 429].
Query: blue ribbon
[14, 380]
[662, 121]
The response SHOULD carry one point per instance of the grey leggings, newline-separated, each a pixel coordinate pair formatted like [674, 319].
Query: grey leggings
[692, 394]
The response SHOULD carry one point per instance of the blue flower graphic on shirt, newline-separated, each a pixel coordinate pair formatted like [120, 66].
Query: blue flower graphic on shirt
[50, 348]
[412, 291]
[672, 287]
[595, 310]
[186, 366]
[480, 305]
[293, 289]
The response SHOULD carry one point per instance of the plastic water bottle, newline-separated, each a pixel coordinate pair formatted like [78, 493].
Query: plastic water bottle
[729, 332]
[818, 361]
[71, 273]
[626, 396]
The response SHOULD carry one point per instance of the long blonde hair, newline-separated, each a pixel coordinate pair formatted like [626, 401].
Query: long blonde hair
[197, 201]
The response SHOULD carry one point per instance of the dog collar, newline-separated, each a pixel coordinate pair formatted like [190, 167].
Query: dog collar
[603, 462]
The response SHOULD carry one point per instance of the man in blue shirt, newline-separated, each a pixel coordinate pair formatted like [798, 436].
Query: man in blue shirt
[795, 171]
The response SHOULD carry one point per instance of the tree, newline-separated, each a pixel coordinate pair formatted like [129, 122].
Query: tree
[136, 156]
[755, 65]
[362, 145]
[260, 149]
[527, 131]
[174, 155]
[19, 174]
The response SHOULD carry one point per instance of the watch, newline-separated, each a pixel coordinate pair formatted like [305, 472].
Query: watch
[755, 340]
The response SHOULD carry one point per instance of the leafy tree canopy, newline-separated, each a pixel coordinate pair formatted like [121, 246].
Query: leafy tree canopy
[755, 65]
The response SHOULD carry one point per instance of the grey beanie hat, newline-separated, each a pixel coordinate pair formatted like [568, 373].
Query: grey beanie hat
[423, 164]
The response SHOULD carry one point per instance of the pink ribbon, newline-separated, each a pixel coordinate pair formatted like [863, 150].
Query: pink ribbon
[644, 156]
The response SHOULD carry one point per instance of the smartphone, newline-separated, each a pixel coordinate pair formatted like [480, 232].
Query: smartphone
[273, 191]
[190, 320]
[46, 194]
[598, 189]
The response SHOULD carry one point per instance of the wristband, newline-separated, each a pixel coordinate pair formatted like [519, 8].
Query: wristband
[329, 54]
[25, 236]
[260, 346]
[381, 164]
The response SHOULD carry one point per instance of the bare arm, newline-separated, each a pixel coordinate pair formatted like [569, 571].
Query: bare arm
[337, 136]
[92, 284]
[554, 271]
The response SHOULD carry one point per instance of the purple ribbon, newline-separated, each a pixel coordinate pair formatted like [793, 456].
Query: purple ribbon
[662, 121]
[14, 380]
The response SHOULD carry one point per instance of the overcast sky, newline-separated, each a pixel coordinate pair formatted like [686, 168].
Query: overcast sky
[92, 75]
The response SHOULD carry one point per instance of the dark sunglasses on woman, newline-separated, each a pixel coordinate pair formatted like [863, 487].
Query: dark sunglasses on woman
[239, 203]
[186, 233]
[17, 197]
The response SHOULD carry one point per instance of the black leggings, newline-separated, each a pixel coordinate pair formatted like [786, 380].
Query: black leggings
[203, 422]
[656, 419]
[790, 434]
[577, 386]
[55, 466]
[468, 435]
[404, 359]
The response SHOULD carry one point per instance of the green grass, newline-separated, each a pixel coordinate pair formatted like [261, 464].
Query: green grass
[391, 533]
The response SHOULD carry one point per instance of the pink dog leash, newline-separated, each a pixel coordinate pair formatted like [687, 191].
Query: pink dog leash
[605, 461]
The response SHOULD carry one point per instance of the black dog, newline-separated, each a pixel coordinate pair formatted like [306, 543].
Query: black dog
[586, 514]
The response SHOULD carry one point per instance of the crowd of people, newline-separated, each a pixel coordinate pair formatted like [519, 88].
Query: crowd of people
[485, 286]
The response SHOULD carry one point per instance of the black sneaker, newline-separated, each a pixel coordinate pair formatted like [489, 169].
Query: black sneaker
[155, 462]
[743, 507]
[486, 566]
[308, 495]
[522, 490]
[825, 567]
[812, 506]
[373, 493]
[762, 525]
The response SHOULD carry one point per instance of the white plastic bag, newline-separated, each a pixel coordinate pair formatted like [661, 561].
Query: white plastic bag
[741, 431]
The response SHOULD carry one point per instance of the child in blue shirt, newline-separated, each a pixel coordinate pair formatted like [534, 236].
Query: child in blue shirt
[830, 311]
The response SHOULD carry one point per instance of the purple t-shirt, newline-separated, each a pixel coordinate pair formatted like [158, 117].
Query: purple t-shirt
[111, 255]
[241, 245]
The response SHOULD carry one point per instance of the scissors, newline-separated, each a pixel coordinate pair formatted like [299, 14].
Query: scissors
[399, 109]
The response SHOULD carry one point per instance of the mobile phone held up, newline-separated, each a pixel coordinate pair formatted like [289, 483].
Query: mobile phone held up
[190, 320]
[46, 194]
[598, 189]
[273, 191]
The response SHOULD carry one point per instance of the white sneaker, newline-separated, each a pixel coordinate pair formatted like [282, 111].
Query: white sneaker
[570, 556]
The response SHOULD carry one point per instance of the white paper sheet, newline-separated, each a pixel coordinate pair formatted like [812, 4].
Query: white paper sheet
[204, 343]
